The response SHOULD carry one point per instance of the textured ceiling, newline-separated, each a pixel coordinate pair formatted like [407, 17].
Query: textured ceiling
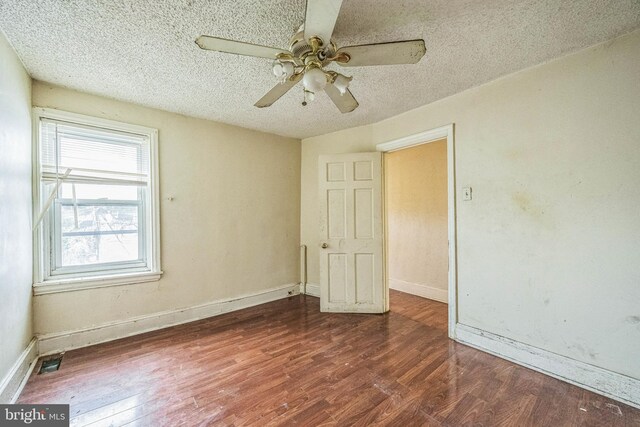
[143, 51]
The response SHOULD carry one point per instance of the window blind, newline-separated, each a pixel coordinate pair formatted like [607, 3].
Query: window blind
[84, 154]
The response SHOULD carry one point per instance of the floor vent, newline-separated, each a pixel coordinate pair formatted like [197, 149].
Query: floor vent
[50, 365]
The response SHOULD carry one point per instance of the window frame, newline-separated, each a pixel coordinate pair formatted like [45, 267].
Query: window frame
[75, 278]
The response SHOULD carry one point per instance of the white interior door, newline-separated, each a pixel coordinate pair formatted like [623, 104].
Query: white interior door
[351, 234]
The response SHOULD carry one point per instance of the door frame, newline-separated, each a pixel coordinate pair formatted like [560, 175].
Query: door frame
[426, 137]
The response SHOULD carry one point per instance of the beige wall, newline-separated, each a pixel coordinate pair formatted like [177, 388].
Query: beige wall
[416, 200]
[232, 228]
[549, 247]
[15, 209]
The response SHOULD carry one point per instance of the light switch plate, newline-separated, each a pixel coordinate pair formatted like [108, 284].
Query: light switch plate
[466, 193]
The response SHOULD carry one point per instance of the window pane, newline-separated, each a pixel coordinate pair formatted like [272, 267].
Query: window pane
[98, 191]
[99, 234]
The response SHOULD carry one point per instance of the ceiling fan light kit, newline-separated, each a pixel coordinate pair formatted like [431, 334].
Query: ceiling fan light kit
[314, 79]
[311, 49]
[283, 70]
[341, 82]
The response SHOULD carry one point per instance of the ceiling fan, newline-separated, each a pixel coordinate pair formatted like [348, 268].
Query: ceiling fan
[311, 49]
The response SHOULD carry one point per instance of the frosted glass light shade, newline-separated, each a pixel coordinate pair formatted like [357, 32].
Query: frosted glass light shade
[283, 70]
[314, 80]
[342, 83]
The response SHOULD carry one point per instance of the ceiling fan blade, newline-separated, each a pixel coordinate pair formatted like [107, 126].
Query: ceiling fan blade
[404, 52]
[346, 103]
[238, 48]
[320, 18]
[278, 90]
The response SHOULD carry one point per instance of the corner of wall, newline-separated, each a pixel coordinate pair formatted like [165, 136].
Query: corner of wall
[16, 309]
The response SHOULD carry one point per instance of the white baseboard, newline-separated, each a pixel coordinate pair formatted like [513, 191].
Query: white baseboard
[62, 341]
[602, 381]
[313, 289]
[424, 291]
[14, 381]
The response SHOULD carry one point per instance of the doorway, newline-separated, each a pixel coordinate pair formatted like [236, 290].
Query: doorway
[416, 220]
[419, 212]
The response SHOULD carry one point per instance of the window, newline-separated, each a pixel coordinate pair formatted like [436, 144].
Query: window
[96, 212]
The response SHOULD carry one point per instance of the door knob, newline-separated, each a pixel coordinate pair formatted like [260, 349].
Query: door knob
[324, 246]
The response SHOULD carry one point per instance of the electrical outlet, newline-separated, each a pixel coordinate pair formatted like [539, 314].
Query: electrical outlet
[466, 193]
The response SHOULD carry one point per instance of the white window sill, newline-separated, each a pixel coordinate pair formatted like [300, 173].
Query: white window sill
[93, 282]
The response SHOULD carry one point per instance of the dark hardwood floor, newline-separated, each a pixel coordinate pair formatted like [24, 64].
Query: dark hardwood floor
[285, 363]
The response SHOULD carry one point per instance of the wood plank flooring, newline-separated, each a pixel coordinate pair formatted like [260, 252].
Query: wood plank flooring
[285, 363]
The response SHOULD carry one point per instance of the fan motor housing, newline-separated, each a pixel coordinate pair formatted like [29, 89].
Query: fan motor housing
[300, 47]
